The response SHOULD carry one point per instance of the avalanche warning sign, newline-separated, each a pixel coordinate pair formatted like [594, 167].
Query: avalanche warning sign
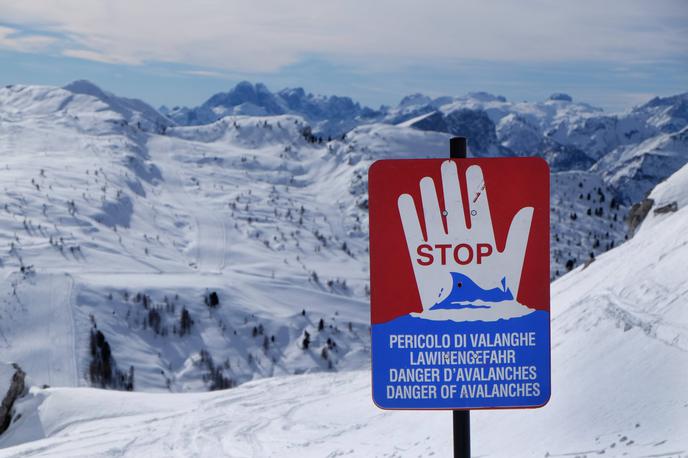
[459, 254]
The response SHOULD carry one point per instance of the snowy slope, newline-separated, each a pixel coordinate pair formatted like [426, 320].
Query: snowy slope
[601, 134]
[118, 229]
[134, 111]
[586, 219]
[636, 149]
[115, 212]
[120, 223]
[619, 355]
[305, 416]
[635, 169]
[114, 221]
[670, 194]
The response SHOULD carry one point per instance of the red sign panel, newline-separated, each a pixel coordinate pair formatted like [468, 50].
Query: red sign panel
[459, 253]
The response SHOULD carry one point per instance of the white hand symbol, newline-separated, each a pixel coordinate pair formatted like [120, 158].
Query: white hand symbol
[460, 248]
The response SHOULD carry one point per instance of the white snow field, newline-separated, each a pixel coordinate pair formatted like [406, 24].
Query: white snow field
[116, 222]
[121, 221]
[620, 362]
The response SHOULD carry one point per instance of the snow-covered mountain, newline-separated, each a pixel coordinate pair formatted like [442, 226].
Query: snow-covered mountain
[619, 365]
[329, 116]
[140, 254]
[636, 149]
[632, 151]
[114, 229]
[496, 126]
[119, 223]
[116, 221]
[635, 169]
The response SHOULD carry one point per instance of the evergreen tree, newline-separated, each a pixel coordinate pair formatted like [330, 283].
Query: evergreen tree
[306, 342]
[185, 322]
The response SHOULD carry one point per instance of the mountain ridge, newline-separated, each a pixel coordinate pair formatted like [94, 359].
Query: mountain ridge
[570, 135]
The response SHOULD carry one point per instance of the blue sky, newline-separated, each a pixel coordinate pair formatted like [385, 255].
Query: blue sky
[613, 54]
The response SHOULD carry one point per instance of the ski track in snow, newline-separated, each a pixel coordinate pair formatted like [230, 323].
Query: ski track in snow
[63, 368]
[46, 346]
[326, 415]
[210, 233]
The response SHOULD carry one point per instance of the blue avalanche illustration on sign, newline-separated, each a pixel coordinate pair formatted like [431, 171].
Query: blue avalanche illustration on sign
[465, 292]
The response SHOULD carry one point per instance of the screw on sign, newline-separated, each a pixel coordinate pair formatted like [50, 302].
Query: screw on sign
[459, 253]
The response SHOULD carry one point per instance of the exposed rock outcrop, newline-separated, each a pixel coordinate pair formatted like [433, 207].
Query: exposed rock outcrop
[668, 208]
[638, 213]
[17, 388]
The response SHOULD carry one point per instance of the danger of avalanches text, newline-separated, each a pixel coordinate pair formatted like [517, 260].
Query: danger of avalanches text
[480, 358]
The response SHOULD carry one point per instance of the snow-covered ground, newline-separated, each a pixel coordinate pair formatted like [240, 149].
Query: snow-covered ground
[620, 361]
[127, 221]
[115, 221]
[619, 355]
[120, 229]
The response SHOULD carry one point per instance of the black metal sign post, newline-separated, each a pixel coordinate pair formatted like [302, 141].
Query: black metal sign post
[461, 418]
